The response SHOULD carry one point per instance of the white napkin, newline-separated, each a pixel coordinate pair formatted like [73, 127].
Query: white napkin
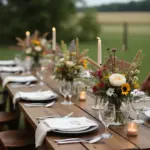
[40, 95]
[11, 69]
[64, 124]
[18, 79]
[7, 62]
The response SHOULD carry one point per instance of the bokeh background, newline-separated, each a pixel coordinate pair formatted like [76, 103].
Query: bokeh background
[116, 22]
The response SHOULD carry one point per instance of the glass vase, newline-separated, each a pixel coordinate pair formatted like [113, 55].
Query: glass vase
[99, 102]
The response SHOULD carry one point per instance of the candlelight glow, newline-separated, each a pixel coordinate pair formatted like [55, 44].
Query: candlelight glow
[98, 38]
[53, 29]
[27, 33]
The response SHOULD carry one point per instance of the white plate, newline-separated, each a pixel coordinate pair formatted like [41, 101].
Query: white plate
[90, 129]
[147, 113]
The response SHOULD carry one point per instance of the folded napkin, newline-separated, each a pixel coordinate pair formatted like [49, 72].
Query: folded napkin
[21, 79]
[7, 62]
[63, 124]
[11, 69]
[40, 95]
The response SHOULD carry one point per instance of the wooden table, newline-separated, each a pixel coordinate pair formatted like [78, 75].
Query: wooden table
[81, 108]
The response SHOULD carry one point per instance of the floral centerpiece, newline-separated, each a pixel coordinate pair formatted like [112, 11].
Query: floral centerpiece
[71, 64]
[114, 85]
[35, 46]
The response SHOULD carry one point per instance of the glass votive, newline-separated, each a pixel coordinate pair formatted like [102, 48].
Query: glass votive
[132, 129]
[82, 95]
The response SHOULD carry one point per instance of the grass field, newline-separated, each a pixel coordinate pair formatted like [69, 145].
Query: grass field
[111, 36]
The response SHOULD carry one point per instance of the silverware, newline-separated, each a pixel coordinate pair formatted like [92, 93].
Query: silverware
[54, 116]
[39, 104]
[87, 140]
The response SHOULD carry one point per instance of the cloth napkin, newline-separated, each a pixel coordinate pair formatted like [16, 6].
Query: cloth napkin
[64, 124]
[18, 79]
[7, 62]
[40, 95]
[11, 69]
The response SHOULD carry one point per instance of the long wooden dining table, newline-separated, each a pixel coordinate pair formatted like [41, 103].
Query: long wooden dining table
[119, 140]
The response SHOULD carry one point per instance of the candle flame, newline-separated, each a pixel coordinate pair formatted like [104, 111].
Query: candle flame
[98, 38]
[27, 33]
[53, 29]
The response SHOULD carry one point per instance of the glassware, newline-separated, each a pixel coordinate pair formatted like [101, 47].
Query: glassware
[41, 73]
[138, 104]
[107, 115]
[28, 62]
[67, 90]
[63, 91]
[18, 59]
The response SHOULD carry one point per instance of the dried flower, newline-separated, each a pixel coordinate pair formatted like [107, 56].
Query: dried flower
[114, 50]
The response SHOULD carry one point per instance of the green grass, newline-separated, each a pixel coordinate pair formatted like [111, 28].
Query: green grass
[111, 40]
[140, 42]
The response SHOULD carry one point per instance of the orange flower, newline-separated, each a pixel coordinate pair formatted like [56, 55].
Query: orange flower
[84, 63]
[36, 42]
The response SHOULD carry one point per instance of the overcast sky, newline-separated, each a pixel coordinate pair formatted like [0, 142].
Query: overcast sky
[99, 2]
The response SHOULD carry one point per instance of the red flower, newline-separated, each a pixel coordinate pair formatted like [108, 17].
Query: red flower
[94, 89]
[99, 73]
[101, 85]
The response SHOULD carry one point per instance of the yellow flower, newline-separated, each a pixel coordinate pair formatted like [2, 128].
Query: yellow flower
[125, 88]
[36, 42]
[107, 76]
[84, 63]
[136, 85]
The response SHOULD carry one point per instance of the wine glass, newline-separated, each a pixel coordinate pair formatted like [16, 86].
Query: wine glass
[64, 91]
[138, 104]
[28, 62]
[70, 92]
[41, 73]
[107, 115]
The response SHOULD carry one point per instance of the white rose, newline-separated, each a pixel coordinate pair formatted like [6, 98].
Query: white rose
[70, 63]
[61, 60]
[117, 79]
[28, 51]
[43, 42]
[38, 48]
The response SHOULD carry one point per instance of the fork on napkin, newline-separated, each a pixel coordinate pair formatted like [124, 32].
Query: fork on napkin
[62, 124]
[20, 79]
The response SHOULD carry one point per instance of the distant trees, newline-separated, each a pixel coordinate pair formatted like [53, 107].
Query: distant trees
[143, 5]
[17, 16]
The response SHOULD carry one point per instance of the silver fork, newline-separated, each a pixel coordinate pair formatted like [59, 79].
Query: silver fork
[85, 140]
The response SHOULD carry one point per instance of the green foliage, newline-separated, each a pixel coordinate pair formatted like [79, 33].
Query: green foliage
[89, 27]
[21, 15]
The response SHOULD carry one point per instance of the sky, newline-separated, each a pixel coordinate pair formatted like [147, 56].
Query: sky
[99, 2]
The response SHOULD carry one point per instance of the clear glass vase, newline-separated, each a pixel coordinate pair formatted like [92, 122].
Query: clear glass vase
[99, 102]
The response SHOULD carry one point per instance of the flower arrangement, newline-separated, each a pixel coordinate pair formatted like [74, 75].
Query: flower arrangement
[115, 85]
[35, 46]
[71, 64]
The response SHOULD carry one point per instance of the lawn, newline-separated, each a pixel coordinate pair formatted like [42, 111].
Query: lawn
[111, 40]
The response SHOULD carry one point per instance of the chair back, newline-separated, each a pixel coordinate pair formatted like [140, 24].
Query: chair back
[146, 84]
[2, 146]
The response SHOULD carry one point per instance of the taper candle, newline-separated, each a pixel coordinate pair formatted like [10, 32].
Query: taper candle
[53, 38]
[99, 51]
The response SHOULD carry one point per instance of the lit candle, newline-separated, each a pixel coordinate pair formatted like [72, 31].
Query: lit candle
[99, 53]
[27, 38]
[82, 95]
[132, 129]
[53, 38]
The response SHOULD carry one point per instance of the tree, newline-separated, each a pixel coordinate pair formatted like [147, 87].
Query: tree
[21, 15]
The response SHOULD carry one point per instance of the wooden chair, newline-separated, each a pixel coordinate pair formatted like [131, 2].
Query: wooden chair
[20, 139]
[2, 146]
[146, 84]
